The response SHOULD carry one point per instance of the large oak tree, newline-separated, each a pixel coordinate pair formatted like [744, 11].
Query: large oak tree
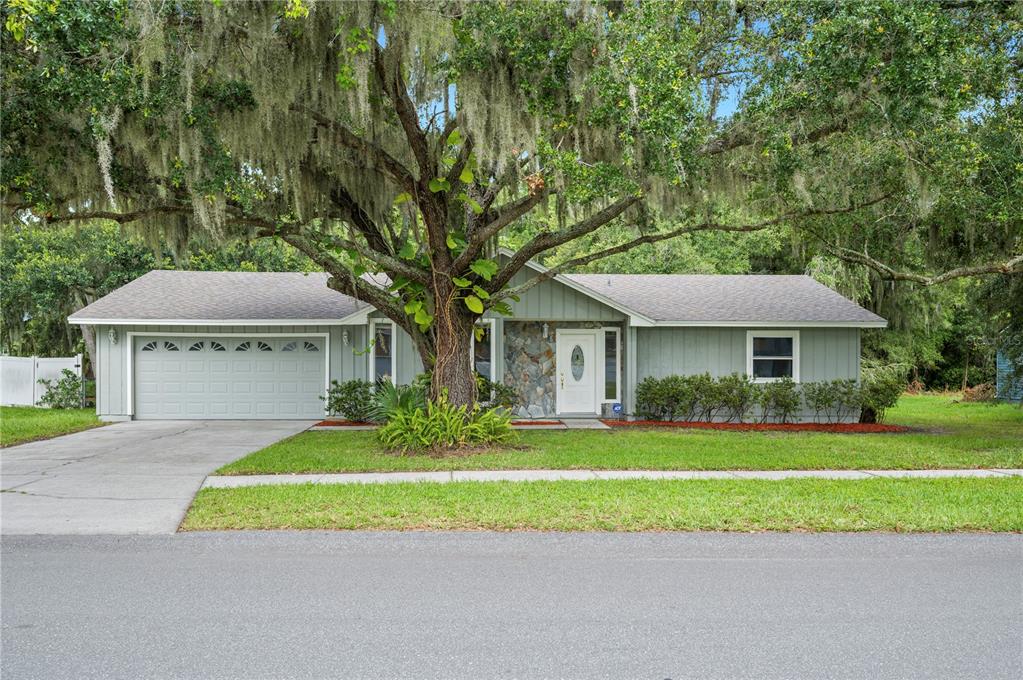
[394, 143]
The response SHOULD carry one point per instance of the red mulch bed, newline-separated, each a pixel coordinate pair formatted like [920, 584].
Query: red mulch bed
[340, 423]
[536, 422]
[841, 428]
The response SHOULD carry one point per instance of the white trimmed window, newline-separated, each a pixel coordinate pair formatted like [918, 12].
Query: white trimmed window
[382, 364]
[483, 349]
[612, 392]
[772, 355]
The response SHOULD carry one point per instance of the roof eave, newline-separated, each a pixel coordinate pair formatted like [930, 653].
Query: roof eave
[774, 324]
[345, 321]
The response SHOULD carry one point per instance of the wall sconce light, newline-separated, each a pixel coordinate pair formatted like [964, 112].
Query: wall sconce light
[344, 337]
[546, 331]
[112, 334]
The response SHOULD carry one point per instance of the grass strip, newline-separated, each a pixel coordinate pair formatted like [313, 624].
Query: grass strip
[21, 424]
[927, 505]
[950, 435]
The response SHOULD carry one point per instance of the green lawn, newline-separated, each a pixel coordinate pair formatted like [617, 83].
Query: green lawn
[951, 435]
[633, 505]
[20, 424]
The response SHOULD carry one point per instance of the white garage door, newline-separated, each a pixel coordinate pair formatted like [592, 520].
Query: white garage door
[233, 377]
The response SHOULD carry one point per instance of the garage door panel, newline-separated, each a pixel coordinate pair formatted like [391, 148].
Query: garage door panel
[228, 377]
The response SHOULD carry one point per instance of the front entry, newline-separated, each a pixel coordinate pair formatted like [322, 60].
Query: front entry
[576, 372]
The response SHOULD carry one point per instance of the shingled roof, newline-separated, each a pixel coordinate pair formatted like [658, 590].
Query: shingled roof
[705, 299]
[187, 296]
[227, 296]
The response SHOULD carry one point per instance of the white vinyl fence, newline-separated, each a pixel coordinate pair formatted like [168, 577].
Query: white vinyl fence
[20, 376]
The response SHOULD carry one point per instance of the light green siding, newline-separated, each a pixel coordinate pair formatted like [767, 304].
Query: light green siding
[825, 353]
[554, 301]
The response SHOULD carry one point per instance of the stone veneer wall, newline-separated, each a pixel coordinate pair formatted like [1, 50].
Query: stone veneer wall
[529, 363]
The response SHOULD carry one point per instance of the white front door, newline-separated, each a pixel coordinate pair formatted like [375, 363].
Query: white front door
[576, 370]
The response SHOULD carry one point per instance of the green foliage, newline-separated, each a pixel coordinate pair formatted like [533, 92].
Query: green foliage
[779, 400]
[442, 426]
[880, 390]
[822, 397]
[673, 397]
[495, 394]
[352, 399]
[65, 392]
[736, 395]
[390, 399]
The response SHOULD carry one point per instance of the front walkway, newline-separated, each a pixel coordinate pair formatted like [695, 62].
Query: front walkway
[126, 478]
[231, 481]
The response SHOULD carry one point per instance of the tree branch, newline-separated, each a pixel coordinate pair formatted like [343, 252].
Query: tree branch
[675, 233]
[385, 161]
[741, 138]
[547, 240]
[506, 214]
[346, 282]
[1012, 266]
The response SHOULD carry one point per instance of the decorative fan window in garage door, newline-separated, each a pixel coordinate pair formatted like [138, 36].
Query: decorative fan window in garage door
[149, 347]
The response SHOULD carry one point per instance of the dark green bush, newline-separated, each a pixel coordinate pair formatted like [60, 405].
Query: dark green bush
[779, 400]
[822, 397]
[736, 396]
[670, 398]
[440, 425]
[707, 395]
[880, 390]
[848, 397]
[65, 392]
[352, 399]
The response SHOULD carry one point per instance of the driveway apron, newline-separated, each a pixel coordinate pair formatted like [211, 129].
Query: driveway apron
[127, 478]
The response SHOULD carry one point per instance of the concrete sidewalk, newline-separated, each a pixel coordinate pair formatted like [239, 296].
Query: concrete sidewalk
[224, 482]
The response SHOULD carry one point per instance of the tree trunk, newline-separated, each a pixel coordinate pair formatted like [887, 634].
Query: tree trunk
[452, 368]
[89, 335]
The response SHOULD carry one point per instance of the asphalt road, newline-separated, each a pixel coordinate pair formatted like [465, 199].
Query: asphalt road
[482, 605]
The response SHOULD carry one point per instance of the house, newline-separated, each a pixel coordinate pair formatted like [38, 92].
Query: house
[1008, 380]
[243, 345]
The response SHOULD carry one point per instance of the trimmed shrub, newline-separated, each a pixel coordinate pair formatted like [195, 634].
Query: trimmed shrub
[822, 397]
[779, 400]
[848, 397]
[672, 397]
[65, 392]
[881, 389]
[352, 399]
[736, 396]
[708, 398]
[442, 426]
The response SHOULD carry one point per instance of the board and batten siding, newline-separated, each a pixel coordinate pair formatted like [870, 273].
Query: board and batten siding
[554, 301]
[824, 353]
[346, 361]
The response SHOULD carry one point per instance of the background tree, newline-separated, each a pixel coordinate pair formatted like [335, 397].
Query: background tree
[404, 139]
[50, 273]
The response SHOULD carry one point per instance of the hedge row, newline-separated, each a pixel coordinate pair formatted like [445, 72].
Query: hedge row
[732, 398]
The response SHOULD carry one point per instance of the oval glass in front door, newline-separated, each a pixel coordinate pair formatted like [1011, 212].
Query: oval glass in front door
[578, 363]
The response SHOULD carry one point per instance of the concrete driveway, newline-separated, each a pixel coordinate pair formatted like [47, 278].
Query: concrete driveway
[126, 478]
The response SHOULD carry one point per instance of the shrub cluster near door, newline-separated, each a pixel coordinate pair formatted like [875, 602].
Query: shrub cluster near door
[735, 398]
